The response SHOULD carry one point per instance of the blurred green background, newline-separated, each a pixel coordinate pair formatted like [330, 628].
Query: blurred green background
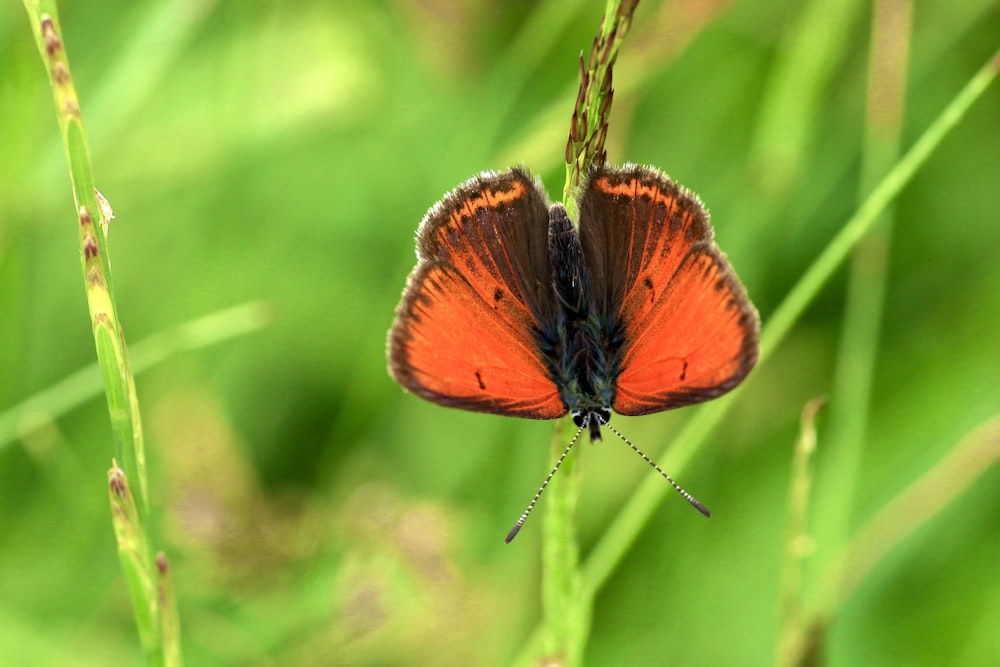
[317, 515]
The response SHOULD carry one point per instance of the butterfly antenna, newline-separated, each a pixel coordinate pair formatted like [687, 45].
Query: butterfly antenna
[687, 496]
[520, 522]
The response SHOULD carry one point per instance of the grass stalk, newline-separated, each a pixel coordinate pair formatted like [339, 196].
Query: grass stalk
[566, 614]
[128, 509]
[798, 543]
[566, 622]
[867, 276]
[91, 225]
[170, 620]
[135, 555]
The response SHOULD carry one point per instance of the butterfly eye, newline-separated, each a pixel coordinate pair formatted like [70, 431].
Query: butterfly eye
[602, 415]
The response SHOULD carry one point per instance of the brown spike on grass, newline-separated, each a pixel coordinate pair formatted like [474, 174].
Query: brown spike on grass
[593, 102]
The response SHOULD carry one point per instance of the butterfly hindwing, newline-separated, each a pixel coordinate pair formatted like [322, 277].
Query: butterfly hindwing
[679, 324]
[466, 332]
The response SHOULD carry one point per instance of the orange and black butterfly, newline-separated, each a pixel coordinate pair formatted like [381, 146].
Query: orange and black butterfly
[513, 311]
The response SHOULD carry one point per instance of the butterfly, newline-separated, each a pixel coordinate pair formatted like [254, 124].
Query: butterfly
[511, 310]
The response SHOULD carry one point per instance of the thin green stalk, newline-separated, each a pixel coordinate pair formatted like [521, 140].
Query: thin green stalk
[91, 222]
[547, 125]
[170, 619]
[566, 622]
[888, 188]
[866, 286]
[135, 556]
[566, 615]
[793, 635]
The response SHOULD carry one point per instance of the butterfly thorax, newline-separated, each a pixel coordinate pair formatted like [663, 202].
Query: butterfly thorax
[578, 358]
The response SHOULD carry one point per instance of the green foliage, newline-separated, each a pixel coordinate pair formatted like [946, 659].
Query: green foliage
[316, 515]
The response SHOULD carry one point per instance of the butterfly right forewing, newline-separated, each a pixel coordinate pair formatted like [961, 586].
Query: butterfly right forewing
[467, 330]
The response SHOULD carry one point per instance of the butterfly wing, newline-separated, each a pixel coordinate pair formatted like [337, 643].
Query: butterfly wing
[679, 325]
[476, 307]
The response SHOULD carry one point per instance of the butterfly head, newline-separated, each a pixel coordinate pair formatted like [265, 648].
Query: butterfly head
[593, 420]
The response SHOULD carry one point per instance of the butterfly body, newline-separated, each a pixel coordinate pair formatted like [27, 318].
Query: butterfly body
[584, 360]
[512, 310]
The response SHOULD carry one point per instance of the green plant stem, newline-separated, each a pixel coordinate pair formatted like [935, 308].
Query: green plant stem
[111, 353]
[566, 614]
[128, 510]
[888, 188]
[170, 622]
[866, 285]
[793, 634]
[566, 622]
[135, 557]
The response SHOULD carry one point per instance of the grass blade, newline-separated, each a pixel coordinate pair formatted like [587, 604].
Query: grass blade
[128, 510]
[49, 404]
